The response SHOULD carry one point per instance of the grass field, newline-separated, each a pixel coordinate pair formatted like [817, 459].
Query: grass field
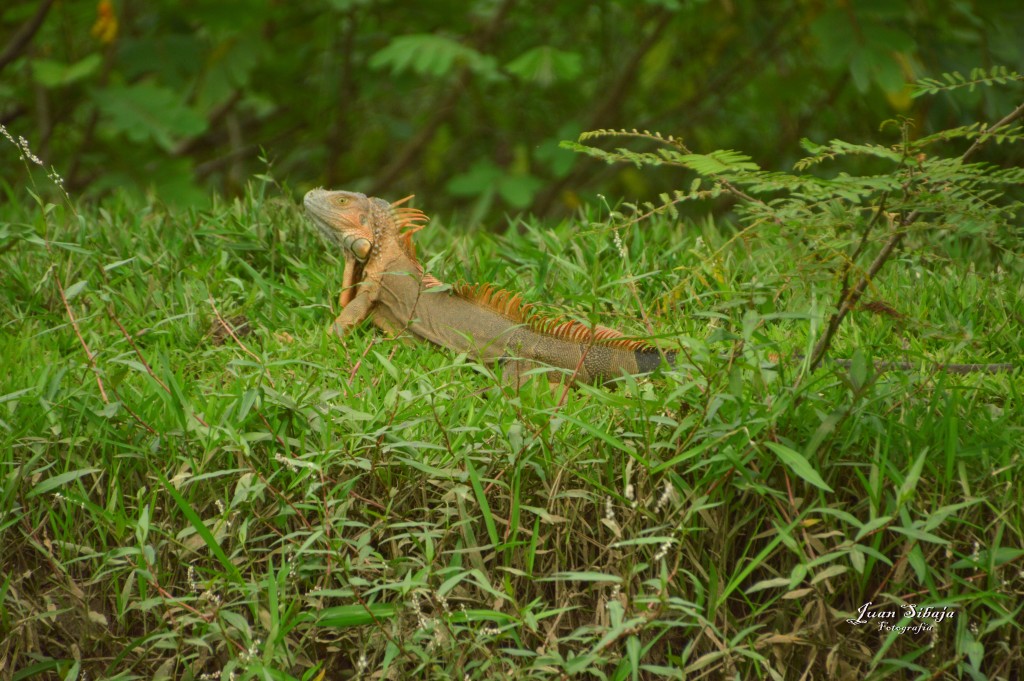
[196, 481]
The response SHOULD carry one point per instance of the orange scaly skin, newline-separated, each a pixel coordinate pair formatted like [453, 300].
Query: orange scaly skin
[384, 281]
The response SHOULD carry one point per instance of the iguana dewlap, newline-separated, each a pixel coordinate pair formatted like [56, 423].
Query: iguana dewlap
[383, 280]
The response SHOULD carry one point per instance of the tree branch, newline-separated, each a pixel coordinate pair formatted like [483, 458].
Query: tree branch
[850, 300]
[337, 139]
[1010, 118]
[20, 40]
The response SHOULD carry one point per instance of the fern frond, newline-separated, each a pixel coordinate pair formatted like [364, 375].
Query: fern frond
[836, 148]
[428, 54]
[718, 162]
[637, 158]
[1011, 135]
[997, 75]
[645, 134]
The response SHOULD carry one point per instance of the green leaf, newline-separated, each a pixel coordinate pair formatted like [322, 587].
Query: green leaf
[828, 425]
[482, 175]
[53, 74]
[634, 654]
[858, 369]
[872, 525]
[581, 577]
[481, 500]
[551, 154]
[715, 163]
[71, 292]
[859, 70]
[59, 481]
[230, 70]
[546, 65]
[344, 616]
[920, 535]
[519, 190]
[427, 54]
[1005, 554]
[119, 263]
[14, 395]
[200, 527]
[347, 5]
[148, 112]
[913, 476]
[798, 464]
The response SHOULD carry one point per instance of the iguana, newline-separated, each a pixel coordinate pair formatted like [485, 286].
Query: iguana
[383, 280]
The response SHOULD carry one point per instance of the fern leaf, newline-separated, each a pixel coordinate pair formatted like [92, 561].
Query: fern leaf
[997, 75]
[427, 54]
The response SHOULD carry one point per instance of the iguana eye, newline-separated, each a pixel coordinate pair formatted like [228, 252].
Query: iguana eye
[361, 248]
[341, 200]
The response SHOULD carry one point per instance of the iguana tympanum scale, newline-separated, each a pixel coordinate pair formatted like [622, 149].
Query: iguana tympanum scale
[384, 281]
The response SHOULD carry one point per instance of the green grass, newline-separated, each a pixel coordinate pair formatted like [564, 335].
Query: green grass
[177, 502]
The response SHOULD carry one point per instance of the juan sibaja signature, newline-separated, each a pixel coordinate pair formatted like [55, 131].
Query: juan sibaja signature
[909, 612]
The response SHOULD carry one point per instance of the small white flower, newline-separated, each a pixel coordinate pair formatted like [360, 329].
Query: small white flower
[664, 498]
[619, 245]
[288, 463]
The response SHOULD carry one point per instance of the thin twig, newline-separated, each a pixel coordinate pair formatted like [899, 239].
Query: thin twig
[337, 136]
[850, 301]
[189, 144]
[231, 332]
[138, 353]
[1010, 118]
[78, 332]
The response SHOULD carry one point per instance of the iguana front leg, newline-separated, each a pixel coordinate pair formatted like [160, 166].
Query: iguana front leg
[348, 291]
[357, 308]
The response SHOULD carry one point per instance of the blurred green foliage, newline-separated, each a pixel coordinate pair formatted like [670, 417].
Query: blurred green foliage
[466, 102]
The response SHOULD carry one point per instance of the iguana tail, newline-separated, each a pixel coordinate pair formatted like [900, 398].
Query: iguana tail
[650, 358]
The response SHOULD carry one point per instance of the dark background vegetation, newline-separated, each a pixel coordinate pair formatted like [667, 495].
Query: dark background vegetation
[464, 103]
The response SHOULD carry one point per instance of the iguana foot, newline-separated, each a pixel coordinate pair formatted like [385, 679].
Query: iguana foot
[339, 329]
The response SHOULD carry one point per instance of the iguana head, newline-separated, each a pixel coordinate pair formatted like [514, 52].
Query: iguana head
[348, 220]
[364, 227]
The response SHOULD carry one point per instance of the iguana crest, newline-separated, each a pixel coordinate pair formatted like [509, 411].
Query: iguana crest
[511, 306]
[409, 219]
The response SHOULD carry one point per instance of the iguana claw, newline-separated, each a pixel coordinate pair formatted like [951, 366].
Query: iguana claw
[339, 329]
